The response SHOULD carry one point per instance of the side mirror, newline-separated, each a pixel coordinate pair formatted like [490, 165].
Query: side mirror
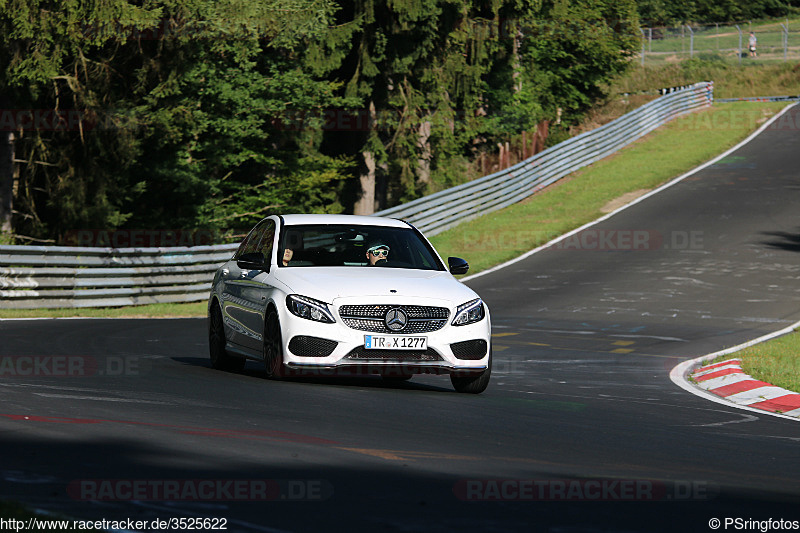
[252, 261]
[457, 266]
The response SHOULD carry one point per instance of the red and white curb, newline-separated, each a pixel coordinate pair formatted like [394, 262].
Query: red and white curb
[726, 382]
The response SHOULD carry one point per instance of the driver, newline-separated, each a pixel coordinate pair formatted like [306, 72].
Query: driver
[377, 254]
[288, 253]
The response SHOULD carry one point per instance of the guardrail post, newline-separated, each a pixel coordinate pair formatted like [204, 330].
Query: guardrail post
[644, 38]
[740, 43]
[785, 39]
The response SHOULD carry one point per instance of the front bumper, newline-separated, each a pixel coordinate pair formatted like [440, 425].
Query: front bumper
[338, 348]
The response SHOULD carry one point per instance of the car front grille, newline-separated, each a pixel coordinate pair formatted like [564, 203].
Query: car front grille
[421, 319]
[305, 346]
[469, 350]
[362, 354]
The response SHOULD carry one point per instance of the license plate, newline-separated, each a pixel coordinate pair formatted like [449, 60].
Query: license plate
[388, 342]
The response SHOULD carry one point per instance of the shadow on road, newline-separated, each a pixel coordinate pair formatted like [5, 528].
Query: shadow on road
[254, 370]
[781, 240]
[123, 477]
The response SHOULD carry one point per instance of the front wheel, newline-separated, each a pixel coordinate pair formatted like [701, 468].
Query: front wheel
[273, 346]
[473, 383]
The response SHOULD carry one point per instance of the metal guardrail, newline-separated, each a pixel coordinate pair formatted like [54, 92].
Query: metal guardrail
[39, 277]
[759, 99]
[77, 277]
[440, 211]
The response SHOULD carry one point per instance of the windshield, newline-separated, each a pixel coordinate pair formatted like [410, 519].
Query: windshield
[356, 246]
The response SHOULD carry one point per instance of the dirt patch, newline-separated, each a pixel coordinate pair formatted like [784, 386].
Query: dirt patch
[626, 198]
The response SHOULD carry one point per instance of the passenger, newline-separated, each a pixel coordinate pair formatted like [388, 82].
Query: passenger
[377, 254]
[288, 253]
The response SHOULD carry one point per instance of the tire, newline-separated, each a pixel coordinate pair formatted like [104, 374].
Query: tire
[273, 346]
[220, 359]
[475, 383]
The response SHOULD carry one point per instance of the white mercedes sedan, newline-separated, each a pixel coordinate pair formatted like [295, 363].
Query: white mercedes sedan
[329, 295]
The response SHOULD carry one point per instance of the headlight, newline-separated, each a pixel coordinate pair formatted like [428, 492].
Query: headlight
[309, 308]
[469, 313]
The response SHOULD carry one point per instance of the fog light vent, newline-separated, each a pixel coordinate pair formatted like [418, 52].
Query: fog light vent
[304, 346]
[470, 350]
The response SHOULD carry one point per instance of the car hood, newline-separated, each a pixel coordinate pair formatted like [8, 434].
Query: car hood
[329, 283]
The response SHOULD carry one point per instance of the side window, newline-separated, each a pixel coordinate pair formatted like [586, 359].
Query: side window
[267, 241]
[251, 242]
[243, 245]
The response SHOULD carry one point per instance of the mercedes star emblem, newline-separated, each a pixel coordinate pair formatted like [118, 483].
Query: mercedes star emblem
[396, 319]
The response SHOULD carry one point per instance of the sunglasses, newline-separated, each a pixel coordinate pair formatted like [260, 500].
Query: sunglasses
[380, 253]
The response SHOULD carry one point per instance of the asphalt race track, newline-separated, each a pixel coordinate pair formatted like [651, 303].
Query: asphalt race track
[580, 430]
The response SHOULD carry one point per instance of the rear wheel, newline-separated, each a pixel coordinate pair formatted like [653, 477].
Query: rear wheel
[273, 346]
[220, 359]
[473, 383]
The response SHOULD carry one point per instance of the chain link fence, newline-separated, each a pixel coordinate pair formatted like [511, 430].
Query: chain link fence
[775, 42]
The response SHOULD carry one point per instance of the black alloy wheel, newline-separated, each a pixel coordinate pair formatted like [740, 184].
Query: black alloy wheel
[273, 346]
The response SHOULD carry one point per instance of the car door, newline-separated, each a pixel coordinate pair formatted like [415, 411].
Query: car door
[239, 313]
[255, 288]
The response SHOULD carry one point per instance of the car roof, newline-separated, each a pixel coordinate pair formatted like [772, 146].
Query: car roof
[352, 220]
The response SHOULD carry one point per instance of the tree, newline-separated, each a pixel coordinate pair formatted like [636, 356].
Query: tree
[55, 89]
[420, 67]
[172, 103]
[200, 113]
[570, 51]
[664, 13]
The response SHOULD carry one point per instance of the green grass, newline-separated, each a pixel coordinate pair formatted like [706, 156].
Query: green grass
[776, 362]
[140, 311]
[638, 86]
[730, 81]
[670, 151]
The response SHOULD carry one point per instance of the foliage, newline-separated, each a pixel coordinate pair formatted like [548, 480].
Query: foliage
[212, 114]
[568, 53]
[666, 13]
[182, 107]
